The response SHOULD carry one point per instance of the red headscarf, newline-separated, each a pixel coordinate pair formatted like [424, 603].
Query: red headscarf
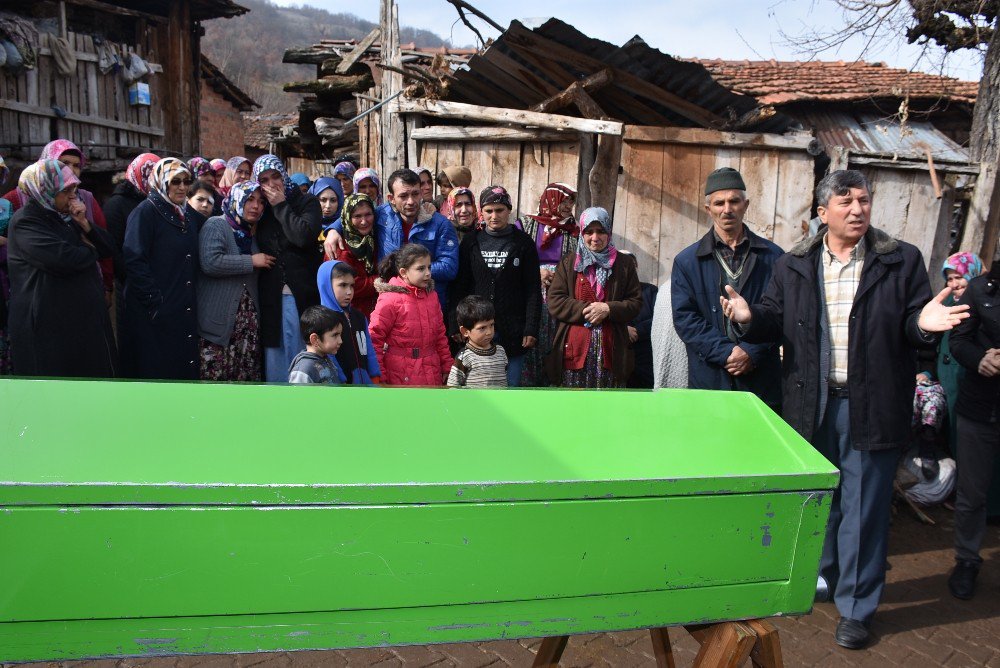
[548, 213]
[138, 171]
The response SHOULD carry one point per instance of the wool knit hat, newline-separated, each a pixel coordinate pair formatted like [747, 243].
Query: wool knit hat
[724, 178]
[495, 195]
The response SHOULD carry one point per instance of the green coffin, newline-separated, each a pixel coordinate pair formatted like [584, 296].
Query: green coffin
[146, 519]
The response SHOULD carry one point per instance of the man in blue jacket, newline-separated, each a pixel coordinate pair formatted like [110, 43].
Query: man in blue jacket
[403, 220]
[730, 254]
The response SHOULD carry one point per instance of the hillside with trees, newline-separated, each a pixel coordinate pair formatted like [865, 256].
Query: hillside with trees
[249, 48]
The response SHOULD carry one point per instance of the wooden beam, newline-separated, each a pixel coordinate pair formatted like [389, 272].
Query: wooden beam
[587, 105]
[332, 84]
[518, 37]
[155, 68]
[479, 133]
[358, 51]
[472, 112]
[308, 56]
[604, 174]
[23, 108]
[912, 165]
[562, 99]
[642, 133]
[118, 10]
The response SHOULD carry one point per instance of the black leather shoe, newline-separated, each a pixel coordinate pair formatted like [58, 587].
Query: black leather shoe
[851, 633]
[962, 581]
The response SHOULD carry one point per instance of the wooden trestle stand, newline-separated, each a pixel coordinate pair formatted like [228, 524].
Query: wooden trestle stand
[723, 645]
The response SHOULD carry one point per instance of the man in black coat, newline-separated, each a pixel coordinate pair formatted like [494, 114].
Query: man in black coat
[850, 305]
[975, 343]
[500, 263]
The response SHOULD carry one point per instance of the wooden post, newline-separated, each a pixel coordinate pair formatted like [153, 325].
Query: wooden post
[766, 651]
[393, 140]
[726, 645]
[662, 651]
[550, 651]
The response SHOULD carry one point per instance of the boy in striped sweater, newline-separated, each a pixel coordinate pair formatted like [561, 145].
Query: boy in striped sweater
[480, 363]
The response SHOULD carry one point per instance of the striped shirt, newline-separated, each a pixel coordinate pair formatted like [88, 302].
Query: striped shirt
[840, 283]
[479, 368]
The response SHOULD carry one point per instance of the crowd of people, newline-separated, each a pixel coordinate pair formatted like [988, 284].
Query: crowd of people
[236, 270]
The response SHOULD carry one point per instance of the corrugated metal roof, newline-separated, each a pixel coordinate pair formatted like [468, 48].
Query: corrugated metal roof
[871, 135]
[524, 67]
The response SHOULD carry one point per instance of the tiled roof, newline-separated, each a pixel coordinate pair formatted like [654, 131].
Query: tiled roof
[782, 82]
[257, 127]
[224, 87]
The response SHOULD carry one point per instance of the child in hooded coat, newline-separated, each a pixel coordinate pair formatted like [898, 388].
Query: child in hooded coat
[407, 326]
[356, 358]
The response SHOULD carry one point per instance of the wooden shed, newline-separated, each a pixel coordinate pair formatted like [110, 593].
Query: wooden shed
[637, 131]
[90, 105]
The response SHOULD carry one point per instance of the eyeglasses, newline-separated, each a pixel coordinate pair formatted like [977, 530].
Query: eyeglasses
[181, 182]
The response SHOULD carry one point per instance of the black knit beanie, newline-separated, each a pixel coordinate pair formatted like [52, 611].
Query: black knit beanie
[724, 178]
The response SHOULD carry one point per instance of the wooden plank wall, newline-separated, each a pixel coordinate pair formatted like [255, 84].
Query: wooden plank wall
[87, 94]
[523, 168]
[659, 207]
[904, 205]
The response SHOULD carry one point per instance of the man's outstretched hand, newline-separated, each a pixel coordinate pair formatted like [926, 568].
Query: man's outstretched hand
[936, 317]
[736, 308]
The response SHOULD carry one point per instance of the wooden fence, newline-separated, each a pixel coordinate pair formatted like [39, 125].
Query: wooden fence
[523, 168]
[94, 109]
[659, 207]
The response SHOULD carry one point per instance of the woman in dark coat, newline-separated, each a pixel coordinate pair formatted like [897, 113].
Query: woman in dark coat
[288, 231]
[59, 323]
[594, 295]
[500, 263]
[160, 332]
[228, 314]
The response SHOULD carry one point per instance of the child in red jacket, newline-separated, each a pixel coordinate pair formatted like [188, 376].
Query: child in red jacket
[407, 326]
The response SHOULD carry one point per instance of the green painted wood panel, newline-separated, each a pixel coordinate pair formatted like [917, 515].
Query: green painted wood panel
[79, 442]
[166, 562]
[142, 519]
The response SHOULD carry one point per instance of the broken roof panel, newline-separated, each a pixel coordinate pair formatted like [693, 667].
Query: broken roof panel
[524, 67]
[870, 135]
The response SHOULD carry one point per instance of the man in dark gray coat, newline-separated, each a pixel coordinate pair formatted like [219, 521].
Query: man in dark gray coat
[850, 305]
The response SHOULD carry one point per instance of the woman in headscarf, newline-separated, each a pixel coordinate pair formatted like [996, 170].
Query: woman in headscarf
[937, 383]
[6, 211]
[228, 309]
[594, 295]
[344, 172]
[159, 339]
[555, 232]
[70, 155]
[464, 216]
[361, 252]
[59, 322]
[288, 231]
[367, 182]
[201, 169]
[301, 180]
[450, 178]
[128, 194]
[219, 167]
[238, 169]
[426, 184]
[331, 198]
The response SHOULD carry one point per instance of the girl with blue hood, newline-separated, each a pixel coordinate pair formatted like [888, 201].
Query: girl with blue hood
[330, 194]
[356, 358]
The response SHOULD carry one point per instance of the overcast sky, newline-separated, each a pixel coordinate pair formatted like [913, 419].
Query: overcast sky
[731, 29]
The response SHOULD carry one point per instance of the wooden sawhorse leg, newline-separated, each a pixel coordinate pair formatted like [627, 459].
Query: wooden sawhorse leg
[724, 645]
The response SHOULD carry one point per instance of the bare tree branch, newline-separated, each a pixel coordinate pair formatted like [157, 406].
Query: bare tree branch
[462, 6]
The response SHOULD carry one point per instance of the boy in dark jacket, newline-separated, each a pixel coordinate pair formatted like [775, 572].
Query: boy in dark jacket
[322, 329]
[356, 357]
[500, 263]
